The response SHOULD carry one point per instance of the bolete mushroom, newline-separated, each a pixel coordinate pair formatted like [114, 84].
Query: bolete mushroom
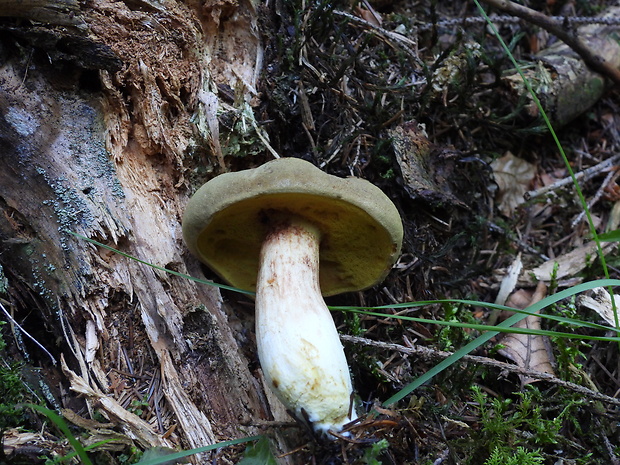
[292, 232]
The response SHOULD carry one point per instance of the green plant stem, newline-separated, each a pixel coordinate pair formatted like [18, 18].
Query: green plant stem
[474, 303]
[171, 458]
[482, 327]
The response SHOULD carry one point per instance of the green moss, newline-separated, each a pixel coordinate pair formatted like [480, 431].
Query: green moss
[524, 428]
[372, 454]
[519, 457]
[13, 391]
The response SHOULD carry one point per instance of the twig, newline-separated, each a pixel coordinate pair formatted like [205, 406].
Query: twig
[264, 140]
[435, 354]
[610, 449]
[586, 174]
[405, 43]
[558, 29]
[611, 178]
[520, 244]
[569, 21]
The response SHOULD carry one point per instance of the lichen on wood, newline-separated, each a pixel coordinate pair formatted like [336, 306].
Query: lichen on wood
[111, 163]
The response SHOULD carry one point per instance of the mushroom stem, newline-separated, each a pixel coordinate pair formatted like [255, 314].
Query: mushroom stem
[298, 344]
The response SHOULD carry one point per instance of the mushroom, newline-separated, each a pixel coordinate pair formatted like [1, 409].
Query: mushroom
[293, 233]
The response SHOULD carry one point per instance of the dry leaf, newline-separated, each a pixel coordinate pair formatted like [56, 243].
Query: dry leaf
[513, 177]
[369, 14]
[599, 300]
[528, 351]
[510, 280]
[569, 264]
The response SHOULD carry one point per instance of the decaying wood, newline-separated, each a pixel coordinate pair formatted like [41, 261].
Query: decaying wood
[113, 163]
[587, 48]
[57, 12]
[563, 81]
[425, 167]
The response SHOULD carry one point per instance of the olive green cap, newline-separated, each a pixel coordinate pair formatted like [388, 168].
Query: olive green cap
[362, 232]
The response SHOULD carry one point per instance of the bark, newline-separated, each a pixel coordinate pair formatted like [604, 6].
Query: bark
[114, 155]
[566, 86]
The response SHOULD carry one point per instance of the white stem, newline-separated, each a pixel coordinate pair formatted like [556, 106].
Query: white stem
[298, 344]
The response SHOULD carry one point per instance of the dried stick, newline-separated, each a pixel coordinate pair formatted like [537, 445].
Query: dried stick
[435, 354]
[611, 178]
[504, 19]
[408, 45]
[558, 29]
[586, 174]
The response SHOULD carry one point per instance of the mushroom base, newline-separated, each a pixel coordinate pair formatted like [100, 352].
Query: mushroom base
[298, 344]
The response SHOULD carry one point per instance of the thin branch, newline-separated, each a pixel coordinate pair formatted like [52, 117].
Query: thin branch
[610, 180]
[586, 174]
[438, 354]
[570, 21]
[13, 322]
[558, 29]
[408, 45]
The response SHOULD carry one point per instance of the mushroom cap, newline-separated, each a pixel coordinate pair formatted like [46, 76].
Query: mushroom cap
[224, 223]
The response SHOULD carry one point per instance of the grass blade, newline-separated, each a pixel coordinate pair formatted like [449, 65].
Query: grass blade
[473, 303]
[179, 455]
[493, 331]
[161, 268]
[569, 169]
[62, 426]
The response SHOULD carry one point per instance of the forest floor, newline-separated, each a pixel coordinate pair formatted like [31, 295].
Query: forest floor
[421, 99]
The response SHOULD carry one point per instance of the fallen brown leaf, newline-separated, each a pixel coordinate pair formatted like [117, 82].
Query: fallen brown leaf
[529, 351]
[513, 177]
[567, 265]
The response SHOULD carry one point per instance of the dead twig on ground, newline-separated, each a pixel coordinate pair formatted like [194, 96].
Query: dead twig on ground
[586, 174]
[427, 352]
[562, 32]
[405, 43]
[510, 235]
[570, 21]
[610, 179]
